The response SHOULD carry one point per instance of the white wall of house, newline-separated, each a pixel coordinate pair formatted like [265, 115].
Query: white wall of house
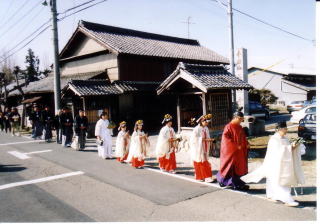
[96, 63]
[88, 46]
[273, 81]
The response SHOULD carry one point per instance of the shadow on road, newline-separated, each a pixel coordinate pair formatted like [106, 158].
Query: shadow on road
[11, 168]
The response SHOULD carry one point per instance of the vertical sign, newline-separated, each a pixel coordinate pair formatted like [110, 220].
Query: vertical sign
[242, 73]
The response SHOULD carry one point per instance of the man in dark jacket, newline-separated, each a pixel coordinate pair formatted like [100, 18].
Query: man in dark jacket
[58, 126]
[15, 120]
[6, 120]
[47, 119]
[66, 123]
[81, 126]
[35, 119]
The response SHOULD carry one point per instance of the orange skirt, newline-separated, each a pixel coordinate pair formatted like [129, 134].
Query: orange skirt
[168, 164]
[202, 170]
[123, 158]
[136, 162]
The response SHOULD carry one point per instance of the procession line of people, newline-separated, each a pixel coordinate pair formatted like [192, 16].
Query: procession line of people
[281, 166]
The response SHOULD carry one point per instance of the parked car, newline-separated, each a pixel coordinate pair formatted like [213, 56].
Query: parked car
[307, 127]
[298, 115]
[257, 110]
[295, 106]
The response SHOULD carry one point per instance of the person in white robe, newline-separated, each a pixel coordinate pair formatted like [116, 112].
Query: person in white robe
[165, 147]
[281, 167]
[139, 145]
[122, 143]
[102, 132]
[199, 149]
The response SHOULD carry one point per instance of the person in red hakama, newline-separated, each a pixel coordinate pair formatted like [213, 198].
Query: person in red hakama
[233, 154]
[200, 144]
[122, 143]
[139, 145]
[165, 148]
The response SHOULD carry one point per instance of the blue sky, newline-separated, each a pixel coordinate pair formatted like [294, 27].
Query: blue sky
[266, 46]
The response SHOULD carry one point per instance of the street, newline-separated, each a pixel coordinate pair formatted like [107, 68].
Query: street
[77, 186]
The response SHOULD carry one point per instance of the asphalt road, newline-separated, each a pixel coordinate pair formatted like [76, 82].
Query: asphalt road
[110, 191]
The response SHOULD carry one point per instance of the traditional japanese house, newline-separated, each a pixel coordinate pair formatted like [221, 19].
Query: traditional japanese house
[201, 89]
[134, 65]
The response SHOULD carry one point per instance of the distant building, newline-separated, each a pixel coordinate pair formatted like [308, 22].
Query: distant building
[287, 87]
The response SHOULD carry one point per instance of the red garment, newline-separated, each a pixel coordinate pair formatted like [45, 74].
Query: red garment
[233, 162]
[136, 162]
[168, 164]
[123, 158]
[202, 170]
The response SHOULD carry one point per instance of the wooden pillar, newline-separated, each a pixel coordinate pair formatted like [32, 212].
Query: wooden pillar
[204, 108]
[84, 104]
[178, 114]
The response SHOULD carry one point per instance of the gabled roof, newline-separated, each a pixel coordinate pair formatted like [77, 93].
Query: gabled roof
[127, 41]
[204, 77]
[100, 87]
[251, 70]
[304, 86]
[46, 85]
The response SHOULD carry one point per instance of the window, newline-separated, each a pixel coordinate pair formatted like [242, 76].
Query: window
[219, 107]
[311, 110]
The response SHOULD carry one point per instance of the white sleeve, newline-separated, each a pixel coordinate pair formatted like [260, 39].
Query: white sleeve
[98, 128]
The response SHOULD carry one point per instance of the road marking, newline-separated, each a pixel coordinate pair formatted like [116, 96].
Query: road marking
[203, 183]
[35, 181]
[35, 152]
[19, 155]
[14, 143]
[22, 155]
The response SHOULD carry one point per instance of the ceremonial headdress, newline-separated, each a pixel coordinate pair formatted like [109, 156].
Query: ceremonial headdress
[206, 118]
[139, 122]
[238, 113]
[122, 124]
[167, 118]
[281, 124]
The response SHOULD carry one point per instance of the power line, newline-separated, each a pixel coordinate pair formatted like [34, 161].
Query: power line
[8, 9]
[82, 4]
[266, 23]
[15, 13]
[20, 19]
[66, 16]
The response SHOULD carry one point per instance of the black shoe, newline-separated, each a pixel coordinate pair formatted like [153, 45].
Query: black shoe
[241, 188]
[221, 185]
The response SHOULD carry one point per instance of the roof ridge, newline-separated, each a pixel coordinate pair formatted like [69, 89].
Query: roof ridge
[87, 25]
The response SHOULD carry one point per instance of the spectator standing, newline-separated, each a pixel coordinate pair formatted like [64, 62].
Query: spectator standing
[66, 120]
[81, 127]
[6, 121]
[1, 121]
[48, 122]
[15, 120]
[35, 119]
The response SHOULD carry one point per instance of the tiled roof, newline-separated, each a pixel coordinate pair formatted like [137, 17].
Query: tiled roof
[126, 41]
[204, 77]
[96, 87]
[47, 84]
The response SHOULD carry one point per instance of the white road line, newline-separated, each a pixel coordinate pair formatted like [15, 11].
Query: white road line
[35, 152]
[35, 181]
[19, 155]
[14, 143]
[203, 183]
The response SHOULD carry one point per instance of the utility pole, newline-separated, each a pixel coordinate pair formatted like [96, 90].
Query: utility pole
[230, 14]
[56, 67]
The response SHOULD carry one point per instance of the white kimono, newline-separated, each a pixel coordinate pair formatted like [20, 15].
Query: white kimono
[102, 130]
[121, 148]
[163, 145]
[281, 167]
[199, 152]
[137, 147]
